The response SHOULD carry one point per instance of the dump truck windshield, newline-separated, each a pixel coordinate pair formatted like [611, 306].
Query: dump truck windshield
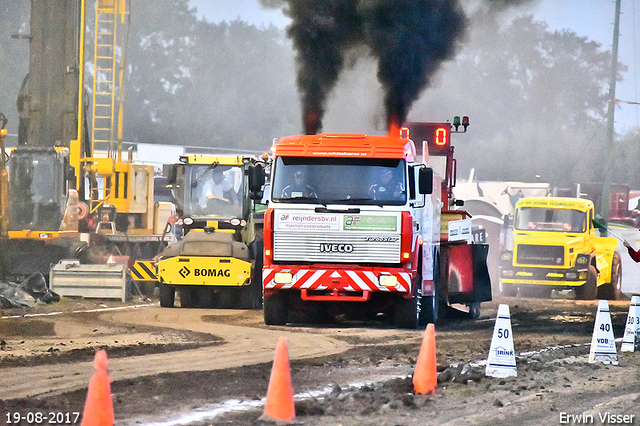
[542, 219]
[339, 181]
[214, 191]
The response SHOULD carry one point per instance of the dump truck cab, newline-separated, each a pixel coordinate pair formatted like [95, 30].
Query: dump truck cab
[555, 247]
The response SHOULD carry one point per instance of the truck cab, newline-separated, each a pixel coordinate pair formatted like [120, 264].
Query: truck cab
[354, 228]
[555, 247]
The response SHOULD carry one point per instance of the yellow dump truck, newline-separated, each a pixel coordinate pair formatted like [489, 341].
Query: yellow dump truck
[555, 247]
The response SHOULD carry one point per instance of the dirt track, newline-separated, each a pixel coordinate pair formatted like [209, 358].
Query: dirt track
[165, 363]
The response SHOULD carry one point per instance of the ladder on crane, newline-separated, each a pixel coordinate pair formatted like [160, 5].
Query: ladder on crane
[108, 69]
[111, 26]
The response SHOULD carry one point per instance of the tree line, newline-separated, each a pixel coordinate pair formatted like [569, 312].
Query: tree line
[537, 98]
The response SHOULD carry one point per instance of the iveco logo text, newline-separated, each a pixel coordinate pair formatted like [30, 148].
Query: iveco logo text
[381, 239]
[336, 248]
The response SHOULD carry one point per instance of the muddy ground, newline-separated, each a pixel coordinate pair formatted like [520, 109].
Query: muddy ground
[212, 367]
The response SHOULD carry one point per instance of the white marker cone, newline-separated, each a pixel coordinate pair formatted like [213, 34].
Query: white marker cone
[502, 357]
[631, 338]
[603, 345]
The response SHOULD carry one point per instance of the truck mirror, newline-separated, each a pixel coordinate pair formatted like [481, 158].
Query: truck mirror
[256, 181]
[169, 170]
[425, 181]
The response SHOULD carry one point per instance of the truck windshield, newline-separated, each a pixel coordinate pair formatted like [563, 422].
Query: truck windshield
[339, 181]
[213, 191]
[542, 219]
[34, 191]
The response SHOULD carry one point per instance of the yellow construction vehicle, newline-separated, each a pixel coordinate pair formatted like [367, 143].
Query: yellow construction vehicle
[71, 193]
[218, 263]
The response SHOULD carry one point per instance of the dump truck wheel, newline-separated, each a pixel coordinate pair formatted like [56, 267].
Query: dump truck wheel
[275, 309]
[612, 289]
[589, 289]
[167, 295]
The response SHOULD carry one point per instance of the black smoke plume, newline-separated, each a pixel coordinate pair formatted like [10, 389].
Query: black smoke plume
[321, 31]
[409, 38]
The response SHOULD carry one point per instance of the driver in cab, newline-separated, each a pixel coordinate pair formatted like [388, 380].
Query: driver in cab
[219, 187]
[298, 188]
[387, 188]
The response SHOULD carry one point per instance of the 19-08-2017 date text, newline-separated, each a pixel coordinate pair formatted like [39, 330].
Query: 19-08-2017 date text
[38, 417]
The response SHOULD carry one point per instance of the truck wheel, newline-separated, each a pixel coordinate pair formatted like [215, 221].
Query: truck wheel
[167, 295]
[474, 311]
[588, 290]
[433, 308]
[187, 297]
[612, 289]
[275, 309]
[407, 313]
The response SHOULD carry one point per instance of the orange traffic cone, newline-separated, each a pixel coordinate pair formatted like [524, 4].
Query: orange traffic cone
[279, 405]
[425, 376]
[98, 410]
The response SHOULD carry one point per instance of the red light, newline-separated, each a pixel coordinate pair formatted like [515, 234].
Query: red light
[441, 136]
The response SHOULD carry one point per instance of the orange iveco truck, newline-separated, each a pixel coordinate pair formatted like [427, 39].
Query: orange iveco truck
[360, 225]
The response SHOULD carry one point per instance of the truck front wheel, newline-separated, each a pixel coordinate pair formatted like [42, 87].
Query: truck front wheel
[588, 290]
[406, 315]
[275, 309]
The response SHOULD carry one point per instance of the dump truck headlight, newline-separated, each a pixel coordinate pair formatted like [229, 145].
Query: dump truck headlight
[507, 273]
[571, 275]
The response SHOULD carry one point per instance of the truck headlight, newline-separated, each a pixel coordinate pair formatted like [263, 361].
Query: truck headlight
[388, 280]
[507, 273]
[187, 221]
[571, 275]
[283, 278]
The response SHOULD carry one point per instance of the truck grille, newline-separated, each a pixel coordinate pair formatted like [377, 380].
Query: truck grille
[540, 255]
[336, 247]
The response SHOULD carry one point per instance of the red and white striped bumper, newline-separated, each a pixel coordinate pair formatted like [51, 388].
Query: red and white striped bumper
[340, 280]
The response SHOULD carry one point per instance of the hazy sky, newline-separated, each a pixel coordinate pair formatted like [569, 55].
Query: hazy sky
[591, 18]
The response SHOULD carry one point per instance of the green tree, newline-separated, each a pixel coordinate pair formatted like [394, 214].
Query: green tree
[242, 89]
[198, 83]
[159, 63]
[536, 100]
